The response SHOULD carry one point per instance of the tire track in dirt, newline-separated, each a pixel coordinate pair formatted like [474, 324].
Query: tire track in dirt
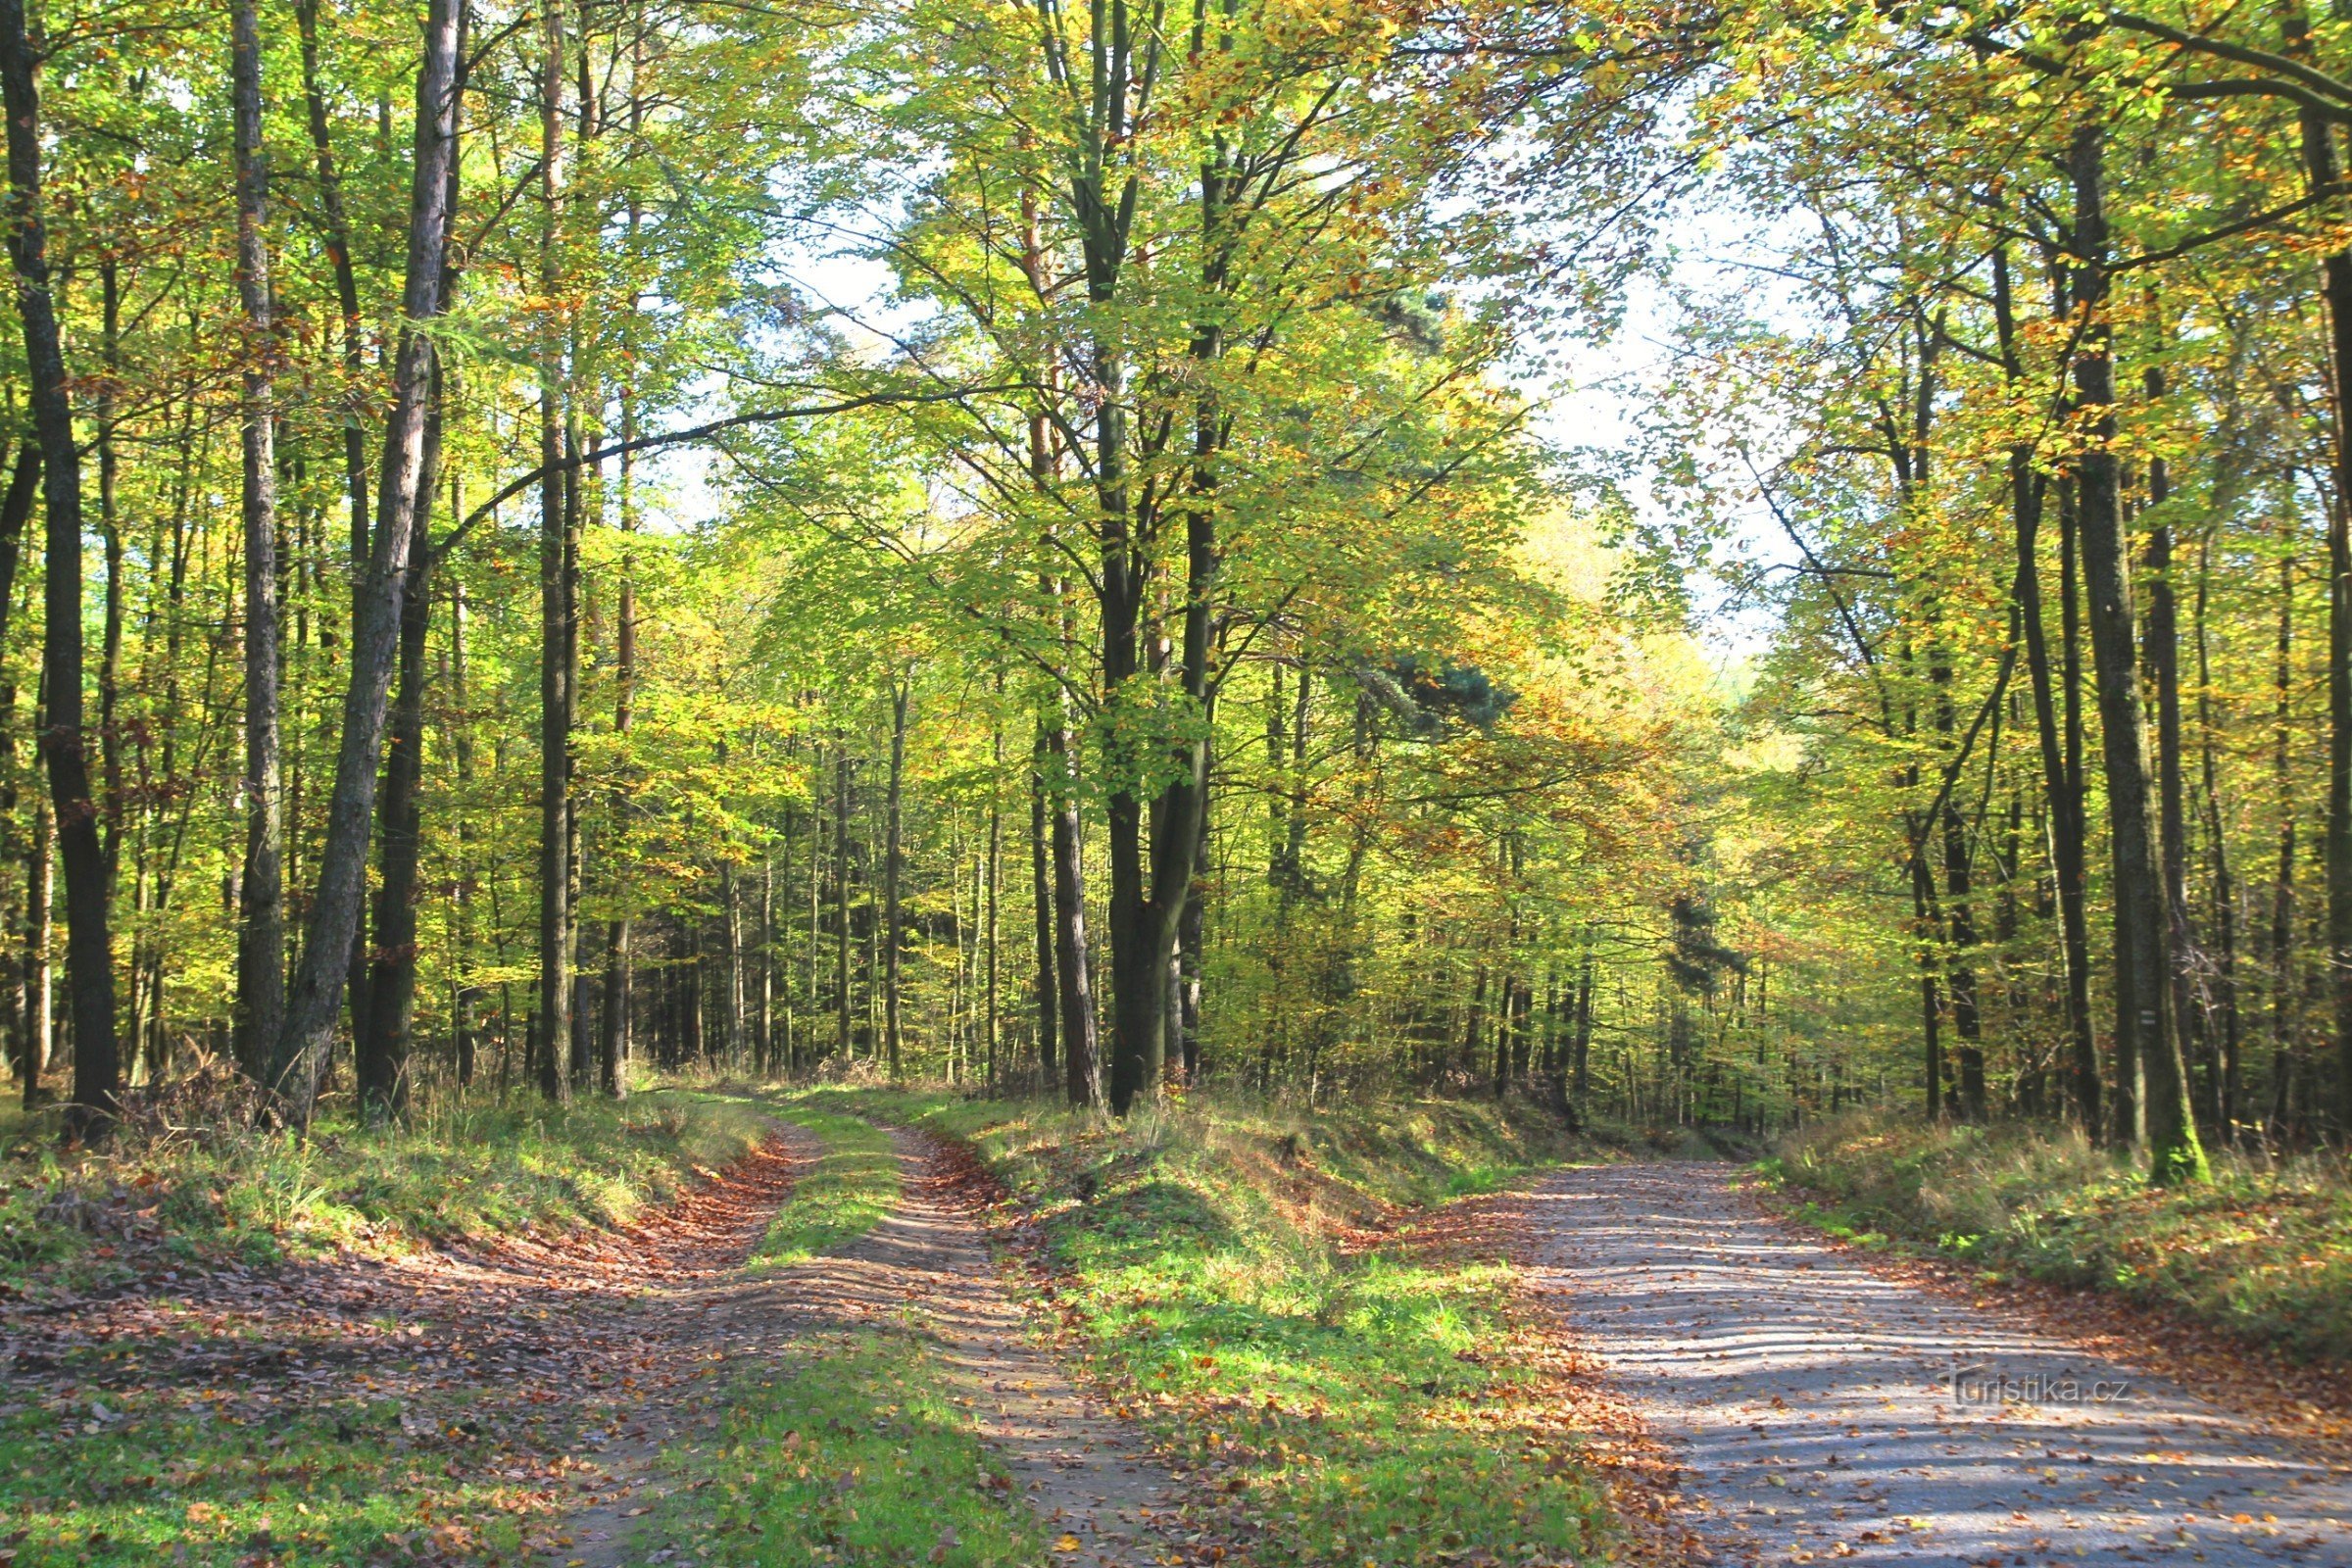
[1823, 1413]
[926, 1266]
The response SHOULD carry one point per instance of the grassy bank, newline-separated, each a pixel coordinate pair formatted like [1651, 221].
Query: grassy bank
[2263, 1251]
[237, 1427]
[82, 1221]
[1225, 1270]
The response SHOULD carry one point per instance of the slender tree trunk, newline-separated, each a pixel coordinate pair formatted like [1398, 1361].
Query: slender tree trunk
[892, 855]
[1081, 1072]
[40, 896]
[90, 958]
[467, 996]
[2061, 781]
[1041, 898]
[342, 863]
[110, 536]
[2161, 644]
[730, 915]
[2337, 270]
[2283, 885]
[382, 1048]
[1960, 922]
[1931, 1003]
[347, 286]
[2225, 1104]
[556, 550]
[994, 931]
[2162, 1117]
[841, 900]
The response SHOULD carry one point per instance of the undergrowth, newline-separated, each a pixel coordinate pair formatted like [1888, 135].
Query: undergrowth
[75, 1221]
[2264, 1251]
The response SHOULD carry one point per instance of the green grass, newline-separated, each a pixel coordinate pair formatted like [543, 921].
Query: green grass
[1335, 1395]
[78, 1221]
[853, 1184]
[851, 1449]
[2263, 1250]
[165, 1478]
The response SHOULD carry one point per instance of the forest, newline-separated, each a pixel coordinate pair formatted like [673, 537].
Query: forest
[1375, 594]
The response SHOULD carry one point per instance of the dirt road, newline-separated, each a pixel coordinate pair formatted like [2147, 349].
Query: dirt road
[1826, 1412]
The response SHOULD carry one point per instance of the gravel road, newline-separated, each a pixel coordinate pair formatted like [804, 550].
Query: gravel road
[1826, 1412]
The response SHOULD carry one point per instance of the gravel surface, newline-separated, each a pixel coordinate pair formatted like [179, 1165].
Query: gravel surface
[1826, 1412]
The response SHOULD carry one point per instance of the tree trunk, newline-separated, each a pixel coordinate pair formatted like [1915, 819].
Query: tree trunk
[2337, 270]
[2226, 1088]
[991, 931]
[1041, 897]
[39, 896]
[347, 286]
[1081, 1073]
[2062, 784]
[381, 1049]
[2146, 1046]
[2283, 885]
[2161, 645]
[342, 863]
[90, 958]
[892, 855]
[1960, 920]
[841, 900]
[557, 549]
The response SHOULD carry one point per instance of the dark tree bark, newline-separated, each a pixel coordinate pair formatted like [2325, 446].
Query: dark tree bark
[613, 1052]
[2147, 1047]
[1959, 872]
[468, 995]
[90, 958]
[2283, 882]
[2336, 287]
[341, 878]
[2226, 1102]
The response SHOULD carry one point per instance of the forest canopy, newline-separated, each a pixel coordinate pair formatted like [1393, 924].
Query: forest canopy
[1039, 547]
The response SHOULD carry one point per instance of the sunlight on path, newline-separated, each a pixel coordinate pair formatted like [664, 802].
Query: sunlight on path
[1087, 1476]
[1829, 1414]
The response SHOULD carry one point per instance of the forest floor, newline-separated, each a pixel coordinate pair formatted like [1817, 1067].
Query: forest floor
[1824, 1405]
[910, 1328]
[1200, 1337]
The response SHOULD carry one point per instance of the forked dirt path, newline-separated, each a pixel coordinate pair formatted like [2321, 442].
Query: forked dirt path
[925, 1265]
[1825, 1413]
